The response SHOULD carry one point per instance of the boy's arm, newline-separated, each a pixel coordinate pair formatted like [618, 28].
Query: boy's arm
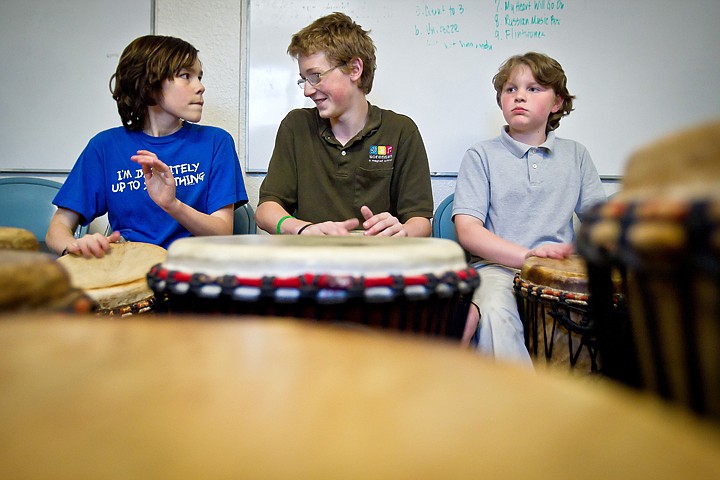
[269, 214]
[60, 238]
[160, 185]
[479, 241]
[219, 222]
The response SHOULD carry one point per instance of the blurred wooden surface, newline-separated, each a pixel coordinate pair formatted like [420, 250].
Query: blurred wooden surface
[169, 397]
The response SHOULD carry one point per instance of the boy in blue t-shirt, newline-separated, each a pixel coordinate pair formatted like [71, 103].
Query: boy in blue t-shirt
[158, 177]
[516, 194]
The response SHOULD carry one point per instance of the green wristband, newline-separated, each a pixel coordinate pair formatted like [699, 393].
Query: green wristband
[281, 221]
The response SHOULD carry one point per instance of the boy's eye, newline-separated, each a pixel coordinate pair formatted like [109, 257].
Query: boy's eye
[184, 75]
[510, 89]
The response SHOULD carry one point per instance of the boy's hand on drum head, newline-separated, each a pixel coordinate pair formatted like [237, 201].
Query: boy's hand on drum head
[382, 224]
[551, 250]
[93, 245]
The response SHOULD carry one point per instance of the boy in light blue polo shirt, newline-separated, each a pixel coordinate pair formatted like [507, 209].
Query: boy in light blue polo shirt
[516, 195]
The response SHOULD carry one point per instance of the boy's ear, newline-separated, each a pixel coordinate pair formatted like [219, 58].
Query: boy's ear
[356, 68]
[558, 103]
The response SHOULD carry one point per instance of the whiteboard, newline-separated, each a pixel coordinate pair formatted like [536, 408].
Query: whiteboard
[57, 58]
[639, 69]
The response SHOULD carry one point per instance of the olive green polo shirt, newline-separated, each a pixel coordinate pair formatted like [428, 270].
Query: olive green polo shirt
[313, 176]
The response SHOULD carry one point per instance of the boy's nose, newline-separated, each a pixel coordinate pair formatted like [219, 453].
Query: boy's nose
[308, 88]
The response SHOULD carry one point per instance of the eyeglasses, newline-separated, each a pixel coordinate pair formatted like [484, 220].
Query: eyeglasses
[314, 78]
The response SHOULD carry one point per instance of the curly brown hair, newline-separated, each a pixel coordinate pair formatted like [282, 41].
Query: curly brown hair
[548, 72]
[342, 40]
[142, 67]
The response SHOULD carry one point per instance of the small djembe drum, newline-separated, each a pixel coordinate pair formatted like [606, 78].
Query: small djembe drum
[421, 285]
[117, 281]
[553, 300]
[661, 233]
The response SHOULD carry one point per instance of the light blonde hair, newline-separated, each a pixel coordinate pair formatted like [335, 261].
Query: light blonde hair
[342, 40]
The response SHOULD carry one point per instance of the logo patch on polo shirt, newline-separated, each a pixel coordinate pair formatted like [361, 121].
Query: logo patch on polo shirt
[381, 153]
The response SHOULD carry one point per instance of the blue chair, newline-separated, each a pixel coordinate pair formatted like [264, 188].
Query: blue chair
[244, 221]
[442, 225]
[26, 202]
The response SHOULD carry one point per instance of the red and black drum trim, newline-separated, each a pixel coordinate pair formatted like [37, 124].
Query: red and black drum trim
[321, 288]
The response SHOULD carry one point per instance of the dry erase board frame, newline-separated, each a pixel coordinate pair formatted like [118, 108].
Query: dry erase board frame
[639, 69]
[57, 59]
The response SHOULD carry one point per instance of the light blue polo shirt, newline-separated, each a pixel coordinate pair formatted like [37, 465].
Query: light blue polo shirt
[527, 194]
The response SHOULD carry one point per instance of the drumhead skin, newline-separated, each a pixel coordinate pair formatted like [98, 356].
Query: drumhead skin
[286, 256]
[123, 263]
[18, 239]
[116, 282]
[684, 166]
[569, 274]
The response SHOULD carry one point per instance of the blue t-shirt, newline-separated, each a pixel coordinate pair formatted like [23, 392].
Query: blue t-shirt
[203, 161]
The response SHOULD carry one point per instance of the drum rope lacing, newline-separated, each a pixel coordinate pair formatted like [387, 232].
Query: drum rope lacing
[322, 288]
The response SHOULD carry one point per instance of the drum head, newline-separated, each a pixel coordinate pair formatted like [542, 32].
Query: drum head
[124, 263]
[569, 274]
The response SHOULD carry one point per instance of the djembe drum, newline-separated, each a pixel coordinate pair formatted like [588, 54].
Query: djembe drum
[18, 239]
[411, 284]
[34, 281]
[552, 298]
[117, 281]
[661, 232]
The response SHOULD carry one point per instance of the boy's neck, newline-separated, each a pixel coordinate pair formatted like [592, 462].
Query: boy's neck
[160, 124]
[351, 122]
[533, 138]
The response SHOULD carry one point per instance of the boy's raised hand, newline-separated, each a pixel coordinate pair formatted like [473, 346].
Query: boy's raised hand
[159, 179]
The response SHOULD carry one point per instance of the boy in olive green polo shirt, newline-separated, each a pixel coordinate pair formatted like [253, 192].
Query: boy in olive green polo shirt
[345, 164]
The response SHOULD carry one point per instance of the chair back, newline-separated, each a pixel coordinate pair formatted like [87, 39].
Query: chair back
[442, 225]
[26, 202]
[244, 221]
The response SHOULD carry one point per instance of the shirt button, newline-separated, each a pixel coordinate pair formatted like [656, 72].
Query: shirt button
[343, 153]
[535, 166]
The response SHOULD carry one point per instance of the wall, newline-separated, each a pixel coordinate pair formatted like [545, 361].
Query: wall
[632, 65]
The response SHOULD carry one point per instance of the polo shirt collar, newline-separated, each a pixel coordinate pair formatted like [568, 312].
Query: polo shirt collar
[520, 149]
[373, 123]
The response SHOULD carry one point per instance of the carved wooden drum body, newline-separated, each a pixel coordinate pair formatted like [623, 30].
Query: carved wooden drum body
[661, 232]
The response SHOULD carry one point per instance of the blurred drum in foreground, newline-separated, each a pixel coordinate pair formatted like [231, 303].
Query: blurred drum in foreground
[411, 284]
[661, 232]
[192, 397]
[117, 281]
[34, 281]
[18, 239]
